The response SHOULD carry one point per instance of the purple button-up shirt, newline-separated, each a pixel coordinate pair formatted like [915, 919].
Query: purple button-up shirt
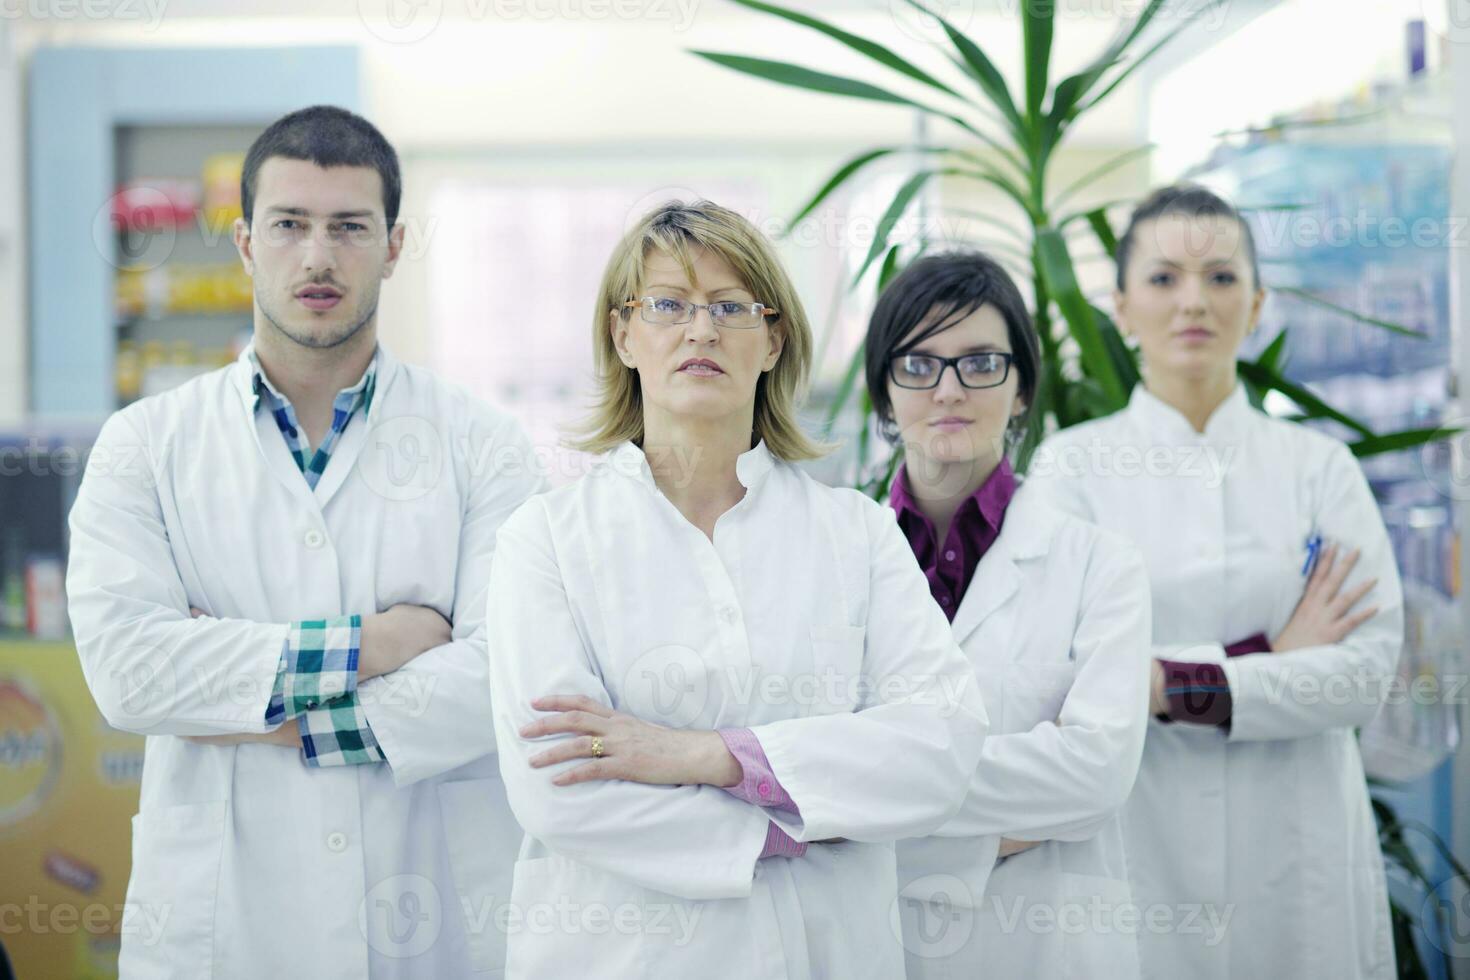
[974, 529]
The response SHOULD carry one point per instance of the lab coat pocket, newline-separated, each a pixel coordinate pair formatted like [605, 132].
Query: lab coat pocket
[1034, 693]
[838, 683]
[482, 839]
[168, 919]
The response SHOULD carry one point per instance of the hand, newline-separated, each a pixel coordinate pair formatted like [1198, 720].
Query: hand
[632, 749]
[393, 638]
[1158, 701]
[1323, 616]
[287, 735]
[1009, 847]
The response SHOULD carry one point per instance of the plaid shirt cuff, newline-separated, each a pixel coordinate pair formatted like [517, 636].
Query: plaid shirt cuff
[318, 663]
[1197, 693]
[338, 734]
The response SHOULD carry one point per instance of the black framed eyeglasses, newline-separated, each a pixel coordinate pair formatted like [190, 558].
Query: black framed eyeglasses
[984, 370]
[669, 310]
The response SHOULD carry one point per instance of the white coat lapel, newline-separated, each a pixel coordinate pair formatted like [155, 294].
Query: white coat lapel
[1025, 534]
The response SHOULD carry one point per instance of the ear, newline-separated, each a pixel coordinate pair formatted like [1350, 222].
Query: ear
[395, 248]
[777, 340]
[1257, 302]
[1120, 311]
[244, 246]
[618, 326]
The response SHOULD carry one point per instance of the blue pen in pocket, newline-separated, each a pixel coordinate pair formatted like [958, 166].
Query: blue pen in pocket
[1314, 549]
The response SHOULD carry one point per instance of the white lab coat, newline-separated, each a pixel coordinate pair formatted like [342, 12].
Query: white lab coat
[1056, 624]
[257, 863]
[1256, 851]
[806, 620]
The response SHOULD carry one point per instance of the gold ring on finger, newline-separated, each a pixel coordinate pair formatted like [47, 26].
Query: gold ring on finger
[596, 747]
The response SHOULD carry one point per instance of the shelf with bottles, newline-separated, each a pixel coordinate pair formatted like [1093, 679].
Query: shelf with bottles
[182, 299]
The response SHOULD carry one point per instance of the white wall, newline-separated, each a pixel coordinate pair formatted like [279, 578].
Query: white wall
[14, 356]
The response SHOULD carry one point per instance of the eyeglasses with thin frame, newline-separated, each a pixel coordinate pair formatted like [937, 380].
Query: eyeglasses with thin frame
[670, 311]
[923, 371]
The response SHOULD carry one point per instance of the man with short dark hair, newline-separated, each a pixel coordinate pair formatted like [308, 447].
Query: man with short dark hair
[278, 574]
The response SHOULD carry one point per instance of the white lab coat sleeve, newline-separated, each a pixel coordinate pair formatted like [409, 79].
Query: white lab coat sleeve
[433, 714]
[696, 842]
[1064, 779]
[898, 765]
[1303, 692]
[151, 667]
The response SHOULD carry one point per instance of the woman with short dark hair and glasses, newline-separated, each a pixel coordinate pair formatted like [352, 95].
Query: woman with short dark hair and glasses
[1054, 616]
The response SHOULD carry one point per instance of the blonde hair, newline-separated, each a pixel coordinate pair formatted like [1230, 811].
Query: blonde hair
[680, 229]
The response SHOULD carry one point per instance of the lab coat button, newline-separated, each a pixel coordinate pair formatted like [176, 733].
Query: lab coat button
[729, 614]
[314, 539]
[337, 842]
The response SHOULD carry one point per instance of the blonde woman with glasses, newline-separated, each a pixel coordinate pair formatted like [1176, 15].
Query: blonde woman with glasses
[721, 690]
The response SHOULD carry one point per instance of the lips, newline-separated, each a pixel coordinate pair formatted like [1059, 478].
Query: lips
[319, 297]
[1194, 334]
[700, 367]
[949, 423]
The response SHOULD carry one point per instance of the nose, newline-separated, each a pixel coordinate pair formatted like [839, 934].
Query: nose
[318, 253]
[701, 328]
[1191, 294]
[949, 390]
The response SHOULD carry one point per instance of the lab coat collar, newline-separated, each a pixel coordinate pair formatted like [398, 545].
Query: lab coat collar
[1228, 421]
[243, 378]
[1027, 534]
[751, 466]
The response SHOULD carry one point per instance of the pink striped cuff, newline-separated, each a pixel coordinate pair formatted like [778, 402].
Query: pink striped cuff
[758, 784]
[781, 844]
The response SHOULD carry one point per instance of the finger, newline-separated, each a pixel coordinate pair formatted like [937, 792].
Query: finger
[1322, 567]
[572, 748]
[600, 769]
[1341, 572]
[195, 612]
[572, 702]
[1346, 626]
[1348, 600]
[565, 723]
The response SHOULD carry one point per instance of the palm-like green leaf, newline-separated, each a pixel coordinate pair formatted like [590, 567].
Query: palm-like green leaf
[980, 68]
[1372, 321]
[862, 45]
[896, 208]
[1037, 21]
[796, 76]
[1147, 55]
[1272, 357]
[1073, 88]
[1314, 407]
[1099, 172]
[1097, 220]
[1390, 442]
[1061, 284]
